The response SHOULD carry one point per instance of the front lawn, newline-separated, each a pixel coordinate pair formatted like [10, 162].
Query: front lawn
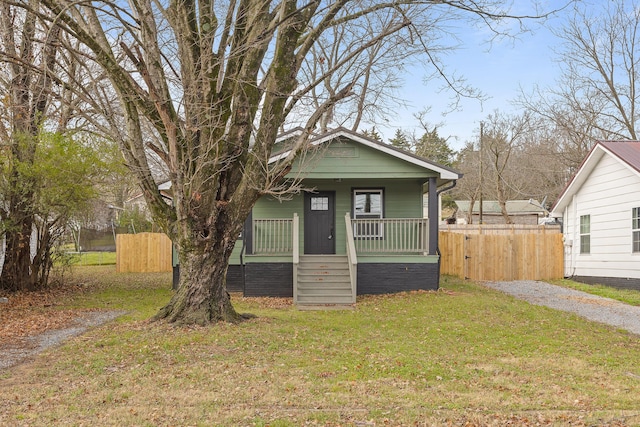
[90, 258]
[464, 355]
[627, 296]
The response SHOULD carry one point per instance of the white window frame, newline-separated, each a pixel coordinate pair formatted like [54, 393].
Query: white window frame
[585, 234]
[635, 230]
[374, 234]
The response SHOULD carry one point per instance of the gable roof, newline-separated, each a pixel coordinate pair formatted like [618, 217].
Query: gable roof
[445, 172]
[626, 152]
[492, 207]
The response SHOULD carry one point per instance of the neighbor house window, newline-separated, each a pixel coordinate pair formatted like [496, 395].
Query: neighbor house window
[635, 229]
[585, 234]
[367, 207]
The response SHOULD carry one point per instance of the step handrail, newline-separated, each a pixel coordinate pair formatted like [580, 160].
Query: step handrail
[352, 257]
[295, 246]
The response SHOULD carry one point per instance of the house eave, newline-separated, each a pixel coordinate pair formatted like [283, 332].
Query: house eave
[584, 171]
[445, 174]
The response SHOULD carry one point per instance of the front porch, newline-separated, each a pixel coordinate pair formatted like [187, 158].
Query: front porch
[384, 246]
[380, 255]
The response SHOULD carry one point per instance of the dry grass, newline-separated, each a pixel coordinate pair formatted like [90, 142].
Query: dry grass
[30, 313]
[464, 356]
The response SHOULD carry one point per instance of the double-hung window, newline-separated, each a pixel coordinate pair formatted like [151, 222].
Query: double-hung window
[367, 211]
[585, 234]
[635, 229]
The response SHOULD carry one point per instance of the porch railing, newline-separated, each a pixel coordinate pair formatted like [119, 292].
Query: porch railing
[273, 236]
[391, 235]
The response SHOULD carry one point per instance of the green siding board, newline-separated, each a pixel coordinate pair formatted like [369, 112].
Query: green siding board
[269, 207]
[403, 199]
[366, 163]
[234, 259]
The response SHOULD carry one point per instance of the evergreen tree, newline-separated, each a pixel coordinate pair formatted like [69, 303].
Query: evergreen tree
[400, 140]
[372, 133]
[433, 147]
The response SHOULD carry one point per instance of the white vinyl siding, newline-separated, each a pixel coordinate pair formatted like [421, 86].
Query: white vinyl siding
[607, 196]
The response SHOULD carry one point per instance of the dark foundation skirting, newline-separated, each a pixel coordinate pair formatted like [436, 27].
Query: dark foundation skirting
[380, 278]
[269, 280]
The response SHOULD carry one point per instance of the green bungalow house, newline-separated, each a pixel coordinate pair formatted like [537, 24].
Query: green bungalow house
[357, 229]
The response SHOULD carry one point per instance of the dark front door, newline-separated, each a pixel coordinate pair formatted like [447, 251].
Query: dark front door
[319, 223]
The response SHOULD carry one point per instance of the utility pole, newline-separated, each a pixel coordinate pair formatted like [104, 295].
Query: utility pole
[481, 180]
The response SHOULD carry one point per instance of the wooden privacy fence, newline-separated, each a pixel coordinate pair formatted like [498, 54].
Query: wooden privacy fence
[500, 228]
[143, 253]
[507, 255]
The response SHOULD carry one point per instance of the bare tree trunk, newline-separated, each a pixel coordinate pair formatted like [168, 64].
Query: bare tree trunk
[202, 296]
[503, 211]
[17, 274]
[502, 198]
[469, 213]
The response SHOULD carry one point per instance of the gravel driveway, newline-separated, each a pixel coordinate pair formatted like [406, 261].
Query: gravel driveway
[592, 307]
[10, 356]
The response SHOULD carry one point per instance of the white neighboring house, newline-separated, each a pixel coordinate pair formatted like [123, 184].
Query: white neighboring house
[600, 208]
[139, 203]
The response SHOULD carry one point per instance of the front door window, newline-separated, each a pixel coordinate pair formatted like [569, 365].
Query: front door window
[319, 203]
